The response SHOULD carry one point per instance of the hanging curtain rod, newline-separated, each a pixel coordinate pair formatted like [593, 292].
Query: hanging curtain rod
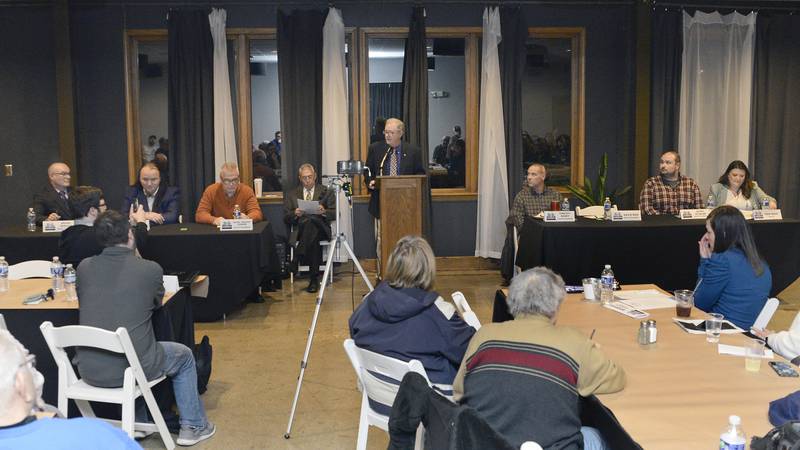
[284, 3]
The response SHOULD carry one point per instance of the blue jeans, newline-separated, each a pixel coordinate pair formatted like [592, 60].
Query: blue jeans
[592, 439]
[179, 366]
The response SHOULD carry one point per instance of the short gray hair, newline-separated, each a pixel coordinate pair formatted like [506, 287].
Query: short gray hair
[306, 166]
[229, 166]
[11, 359]
[411, 264]
[536, 291]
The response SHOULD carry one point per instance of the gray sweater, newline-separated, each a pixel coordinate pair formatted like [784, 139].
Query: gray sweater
[117, 289]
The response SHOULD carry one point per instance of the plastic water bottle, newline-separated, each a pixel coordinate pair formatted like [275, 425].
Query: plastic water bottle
[3, 274]
[607, 285]
[733, 437]
[70, 277]
[710, 202]
[57, 273]
[607, 209]
[237, 213]
[565, 204]
[31, 220]
[765, 203]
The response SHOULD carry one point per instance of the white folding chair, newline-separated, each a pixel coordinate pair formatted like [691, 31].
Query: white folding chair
[305, 268]
[135, 383]
[595, 211]
[29, 269]
[3, 323]
[466, 312]
[766, 314]
[374, 373]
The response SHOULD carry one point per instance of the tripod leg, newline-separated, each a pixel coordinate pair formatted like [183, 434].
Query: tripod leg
[304, 361]
[358, 265]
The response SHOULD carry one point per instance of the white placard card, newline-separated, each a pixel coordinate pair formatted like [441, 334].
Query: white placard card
[626, 215]
[236, 225]
[691, 214]
[559, 216]
[56, 226]
[767, 214]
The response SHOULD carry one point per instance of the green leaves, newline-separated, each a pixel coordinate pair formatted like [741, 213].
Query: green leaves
[596, 195]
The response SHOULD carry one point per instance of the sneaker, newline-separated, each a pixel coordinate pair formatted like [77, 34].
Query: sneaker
[193, 435]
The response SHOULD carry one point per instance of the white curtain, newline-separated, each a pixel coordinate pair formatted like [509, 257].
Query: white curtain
[492, 168]
[335, 125]
[224, 136]
[716, 89]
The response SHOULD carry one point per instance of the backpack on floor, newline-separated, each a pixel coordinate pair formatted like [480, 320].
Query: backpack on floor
[784, 437]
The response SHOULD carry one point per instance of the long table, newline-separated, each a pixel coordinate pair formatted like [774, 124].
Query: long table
[172, 322]
[236, 261]
[659, 249]
[679, 391]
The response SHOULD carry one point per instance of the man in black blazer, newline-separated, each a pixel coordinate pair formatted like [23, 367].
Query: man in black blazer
[309, 229]
[391, 157]
[52, 202]
[161, 203]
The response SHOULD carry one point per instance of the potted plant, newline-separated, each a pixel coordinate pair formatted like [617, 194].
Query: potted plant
[596, 194]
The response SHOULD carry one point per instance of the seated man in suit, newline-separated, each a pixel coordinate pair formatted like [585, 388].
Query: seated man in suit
[309, 229]
[78, 241]
[220, 199]
[20, 394]
[52, 202]
[161, 203]
[117, 289]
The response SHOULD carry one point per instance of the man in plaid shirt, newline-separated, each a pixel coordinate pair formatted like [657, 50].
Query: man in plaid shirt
[669, 192]
[534, 198]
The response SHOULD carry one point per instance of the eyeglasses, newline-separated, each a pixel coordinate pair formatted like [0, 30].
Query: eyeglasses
[230, 180]
[62, 174]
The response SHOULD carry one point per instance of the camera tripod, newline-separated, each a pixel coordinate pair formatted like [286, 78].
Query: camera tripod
[338, 241]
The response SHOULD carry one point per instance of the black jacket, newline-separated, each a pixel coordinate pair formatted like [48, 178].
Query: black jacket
[78, 242]
[410, 164]
[48, 201]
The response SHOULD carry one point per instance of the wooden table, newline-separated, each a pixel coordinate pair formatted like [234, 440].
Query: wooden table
[680, 392]
[19, 290]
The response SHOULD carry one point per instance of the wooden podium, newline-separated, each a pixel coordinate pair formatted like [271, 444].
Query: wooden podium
[401, 203]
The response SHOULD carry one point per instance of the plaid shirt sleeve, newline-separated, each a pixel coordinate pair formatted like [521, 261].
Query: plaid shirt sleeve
[647, 197]
[518, 211]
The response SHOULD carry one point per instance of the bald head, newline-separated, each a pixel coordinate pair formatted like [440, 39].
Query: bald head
[59, 176]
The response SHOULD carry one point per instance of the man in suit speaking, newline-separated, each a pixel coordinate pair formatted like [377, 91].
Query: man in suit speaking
[391, 157]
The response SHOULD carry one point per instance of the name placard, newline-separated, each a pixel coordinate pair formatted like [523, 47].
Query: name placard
[559, 216]
[626, 215]
[767, 214]
[236, 225]
[56, 226]
[690, 214]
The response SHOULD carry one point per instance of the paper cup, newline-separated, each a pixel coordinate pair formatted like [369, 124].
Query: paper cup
[258, 186]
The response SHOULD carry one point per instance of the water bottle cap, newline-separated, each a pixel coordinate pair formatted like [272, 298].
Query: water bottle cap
[55, 258]
[608, 266]
[69, 266]
[734, 420]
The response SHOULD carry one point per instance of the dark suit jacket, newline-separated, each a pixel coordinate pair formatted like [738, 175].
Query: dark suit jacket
[321, 194]
[48, 201]
[410, 164]
[79, 242]
[167, 202]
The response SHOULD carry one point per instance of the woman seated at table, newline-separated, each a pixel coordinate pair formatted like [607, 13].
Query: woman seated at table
[405, 319]
[736, 188]
[733, 280]
[785, 343]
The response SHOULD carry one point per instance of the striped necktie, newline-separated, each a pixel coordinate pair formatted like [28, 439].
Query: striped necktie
[393, 163]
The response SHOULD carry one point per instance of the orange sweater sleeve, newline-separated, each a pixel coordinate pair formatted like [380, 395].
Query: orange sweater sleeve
[203, 213]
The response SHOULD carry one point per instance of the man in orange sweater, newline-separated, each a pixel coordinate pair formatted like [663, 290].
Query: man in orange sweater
[219, 199]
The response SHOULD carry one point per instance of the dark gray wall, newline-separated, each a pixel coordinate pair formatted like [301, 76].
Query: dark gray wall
[28, 116]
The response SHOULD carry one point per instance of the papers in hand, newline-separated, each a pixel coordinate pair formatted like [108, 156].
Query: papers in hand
[308, 206]
[741, 351]
[698, 326]
[645, 299]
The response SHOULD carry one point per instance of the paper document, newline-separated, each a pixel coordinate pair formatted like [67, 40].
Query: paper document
[646, 299]
[698, 326]
[308, 206]
[740, 351]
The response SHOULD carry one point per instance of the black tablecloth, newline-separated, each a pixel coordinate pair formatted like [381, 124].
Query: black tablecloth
[173, 322]
[236, 261]
[659, 249]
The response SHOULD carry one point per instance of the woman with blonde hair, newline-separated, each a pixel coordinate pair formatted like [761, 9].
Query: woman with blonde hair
[405, 319]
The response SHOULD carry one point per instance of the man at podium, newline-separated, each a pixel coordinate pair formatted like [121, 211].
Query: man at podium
[391, 157]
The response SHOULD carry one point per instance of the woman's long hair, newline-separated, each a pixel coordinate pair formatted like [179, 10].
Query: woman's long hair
[731, 231]
[747, 184]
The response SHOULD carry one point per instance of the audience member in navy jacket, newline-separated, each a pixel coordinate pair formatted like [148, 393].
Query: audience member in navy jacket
[733, 279]
[161, 203]
[404, 319]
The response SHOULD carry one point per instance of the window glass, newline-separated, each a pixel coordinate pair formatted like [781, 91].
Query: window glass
[153, 97]
[385, 83]
[265, 108]
[446, 112]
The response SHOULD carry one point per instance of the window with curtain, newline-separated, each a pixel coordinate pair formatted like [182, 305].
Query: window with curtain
[153, 65]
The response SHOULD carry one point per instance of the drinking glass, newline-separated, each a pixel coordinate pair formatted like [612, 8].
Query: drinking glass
[713, 327]
[591, 289]
[684, 299]
[754, 353]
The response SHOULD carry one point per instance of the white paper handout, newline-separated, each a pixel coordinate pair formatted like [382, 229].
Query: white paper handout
[646, 299]
[308, 206]
[734, 350]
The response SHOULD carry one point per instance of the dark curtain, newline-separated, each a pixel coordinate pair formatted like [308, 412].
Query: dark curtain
[300, 84]
[775, 134]
[415, 102]
[385, 100]
[191, 105]
[665, 82]
[511, 54]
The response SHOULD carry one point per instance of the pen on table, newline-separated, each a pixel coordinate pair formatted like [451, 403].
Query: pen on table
[592, 335]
